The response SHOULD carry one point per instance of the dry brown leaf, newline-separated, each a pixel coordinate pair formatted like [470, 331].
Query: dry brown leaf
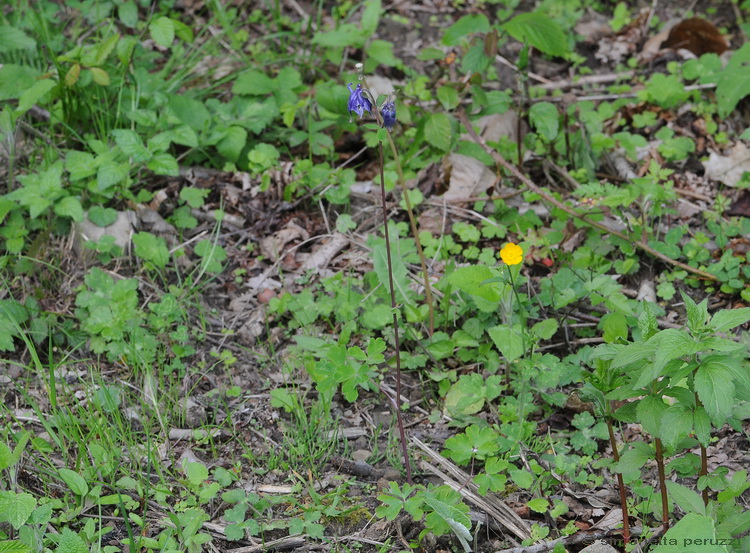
[728, 169]
[697, 35]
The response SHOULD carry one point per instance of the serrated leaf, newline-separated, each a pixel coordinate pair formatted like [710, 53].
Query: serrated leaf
[14, 39]
[727, 319]
[715, 387]
[151, 248]
[101, 77]
[70, 206]
[30, 97]
[539, 31]
[233, 143]
[545, 119]
[253, 83]
[14, 546]
[733, 84]
[686, 499]
[509, 340]
[438, 130]
[545, 329]
[131, 144]
[464, 27]
[164, 164]
[676, 424]
[650, 411]
[128, 13]
[16, 508]
[70, 542]
[162, 31]
[684, 537]
[71, 77]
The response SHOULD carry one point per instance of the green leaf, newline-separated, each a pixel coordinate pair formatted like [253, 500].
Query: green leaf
[615, 327]
[70, 542]
[694, 533]
[371, 16]
[733, 84]
[70, 206]
[197, 473]
[438, 130]
[128, 13]
[102, 216]
[508, 340]
[687, 499]
[75, 481]
[151, 248]
[253, 83]
[523, 479]
[80, 165]
[400, 274]
[233, 143]
[14, 546]
[131, 144]
[715, 387]
[702, 426]
[164, 164]
[30, 97]
[15, 79]
[100, 76]
[467, 25]
[538, 505]
[194, 197]
[16, 508]
[448, 513]
[545, 329]
[538, 31]
[650, 411]
[110, 173]
[448, 96]
[472, 279]
[474, 443]
[14, 39]
[676, 424]
[212, 255]
[190, 111]
[727, 319]
[185, 136]
[162, 31]
[545, 119]
[636, 456]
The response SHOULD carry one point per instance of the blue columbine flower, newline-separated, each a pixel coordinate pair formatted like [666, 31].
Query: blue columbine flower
[388, 111]
[358, 102]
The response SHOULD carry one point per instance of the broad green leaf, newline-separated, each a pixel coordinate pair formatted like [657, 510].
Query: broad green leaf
[545, 119]
[162, 31]
[190, 111]
[253, 83]
[472, 279]
[27, 100]
[131, 144]
[694, 533]
[151, 248]
[508, 340]
[232, 144]
[15, 79]
[727, 319]
[545, 329]
[438, 130]
[371, 16]
[615, 327]
[70, 542]
[102, 216]
[185, 136]
[164, 164]
[70, 206]
[676, 424]
[448, 96]
[194, 197]
[101, 77]
[688, 500]
[464, 27]
[538, 505]
[474, 443]
[733, 84]
[634, 458]
[14, 39]
[715, 387]
[128, 13]
[702, 426]
[14, 546]
[75, 481]
[197, 473]
[16, 508]
[111, 173]
[538, 31]
[650, 411]
[400, 274]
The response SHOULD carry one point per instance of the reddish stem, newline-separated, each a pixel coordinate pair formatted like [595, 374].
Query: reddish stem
[621, 484]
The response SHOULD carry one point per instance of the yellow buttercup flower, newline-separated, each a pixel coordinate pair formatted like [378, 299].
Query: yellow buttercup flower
[511, 254]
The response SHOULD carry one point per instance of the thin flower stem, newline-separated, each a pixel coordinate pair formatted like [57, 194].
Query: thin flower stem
[399, 419]
[415, 233]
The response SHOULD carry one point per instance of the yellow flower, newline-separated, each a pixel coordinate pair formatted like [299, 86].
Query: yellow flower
[511, 254]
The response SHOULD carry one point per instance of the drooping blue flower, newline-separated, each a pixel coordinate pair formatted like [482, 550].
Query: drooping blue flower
[358, 102]
[388, 111]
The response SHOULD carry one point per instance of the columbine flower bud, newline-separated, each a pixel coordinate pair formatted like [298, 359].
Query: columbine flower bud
[388, 111]
[358, 102]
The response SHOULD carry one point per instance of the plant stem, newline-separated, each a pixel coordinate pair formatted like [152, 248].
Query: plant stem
[662, 483]
[413, 224]
[399, 419]
[704, 472]
[621, 484]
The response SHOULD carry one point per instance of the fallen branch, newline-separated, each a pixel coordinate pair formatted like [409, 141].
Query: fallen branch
[569, 210]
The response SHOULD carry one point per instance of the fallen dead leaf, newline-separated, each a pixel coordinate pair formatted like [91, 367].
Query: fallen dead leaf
[729, 169]
[697, 35]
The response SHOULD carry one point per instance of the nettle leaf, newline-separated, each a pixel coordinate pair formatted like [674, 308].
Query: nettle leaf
[635, 458]
[715, 386]
[509, 340]
[687, 499]
[676, 424]
[727, 319]
[650, 411]
[538, 31]
[162, 31]
[16, 508]
[151, 248]
[733, 84]
[14, 546]
[693, 528]
[102, 216]
[70, 542]
[545, 119]
[467, 25]
[70, 206]
[438, 130]
[131, 144]
[233, 143]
